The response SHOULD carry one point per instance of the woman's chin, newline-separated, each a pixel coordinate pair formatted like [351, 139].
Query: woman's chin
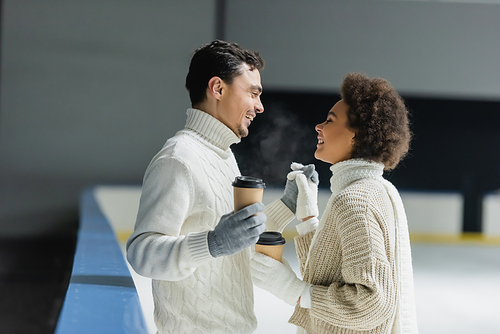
[320, 158]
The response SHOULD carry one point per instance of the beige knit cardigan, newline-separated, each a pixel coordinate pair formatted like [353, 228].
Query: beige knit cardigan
[358, 259]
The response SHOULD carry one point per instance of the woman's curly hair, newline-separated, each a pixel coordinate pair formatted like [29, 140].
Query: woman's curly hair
[378, 116]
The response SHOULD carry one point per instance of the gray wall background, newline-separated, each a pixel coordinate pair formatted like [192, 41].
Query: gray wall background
[90, 90]
[425, 48]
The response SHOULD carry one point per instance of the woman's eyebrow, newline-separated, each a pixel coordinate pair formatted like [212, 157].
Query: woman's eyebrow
[332, 114]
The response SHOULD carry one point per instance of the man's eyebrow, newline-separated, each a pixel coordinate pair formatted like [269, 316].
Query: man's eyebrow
[255, 87]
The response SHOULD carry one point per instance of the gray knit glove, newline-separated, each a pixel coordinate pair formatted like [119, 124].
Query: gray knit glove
[291, 189]
[237, 231]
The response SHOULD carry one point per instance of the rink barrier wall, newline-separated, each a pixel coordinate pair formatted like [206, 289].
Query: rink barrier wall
[434, 217]
[101, 296]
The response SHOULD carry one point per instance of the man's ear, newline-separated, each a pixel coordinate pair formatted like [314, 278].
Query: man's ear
[215, 86]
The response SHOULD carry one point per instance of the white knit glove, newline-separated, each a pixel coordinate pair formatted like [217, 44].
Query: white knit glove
[307, 199]
[277, 278]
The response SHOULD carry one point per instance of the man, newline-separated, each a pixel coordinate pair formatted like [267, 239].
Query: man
[186, 237]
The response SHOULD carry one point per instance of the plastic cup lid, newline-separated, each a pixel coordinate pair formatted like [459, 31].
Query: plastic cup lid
[248, 182]
[271, 239]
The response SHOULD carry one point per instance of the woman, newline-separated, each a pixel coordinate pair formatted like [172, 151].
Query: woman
[355, 262]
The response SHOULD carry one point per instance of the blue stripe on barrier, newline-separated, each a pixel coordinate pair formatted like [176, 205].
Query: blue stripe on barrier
[101, 296]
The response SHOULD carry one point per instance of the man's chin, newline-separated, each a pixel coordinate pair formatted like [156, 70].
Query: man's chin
[242, 132]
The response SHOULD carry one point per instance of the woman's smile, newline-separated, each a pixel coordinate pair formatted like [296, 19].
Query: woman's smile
[335, 138]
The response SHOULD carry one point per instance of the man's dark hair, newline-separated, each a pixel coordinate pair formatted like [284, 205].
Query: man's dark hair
[221, 59]
[378, 116]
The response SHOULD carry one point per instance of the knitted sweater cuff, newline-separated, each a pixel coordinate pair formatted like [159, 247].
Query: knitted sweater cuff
[198, 248]
[302, 244]
[309, 225]
[278, 216]
[294, 289]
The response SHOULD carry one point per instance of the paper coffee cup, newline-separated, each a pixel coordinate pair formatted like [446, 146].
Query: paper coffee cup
[271, 244]
[247, 190]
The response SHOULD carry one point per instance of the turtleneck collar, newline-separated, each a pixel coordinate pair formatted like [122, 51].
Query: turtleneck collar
[346, 172]
[211, 129]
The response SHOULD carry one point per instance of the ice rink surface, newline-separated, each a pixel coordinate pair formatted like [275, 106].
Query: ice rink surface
[457, 290]
[457, 285]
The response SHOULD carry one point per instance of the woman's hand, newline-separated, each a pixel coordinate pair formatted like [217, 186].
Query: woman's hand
[292, 190]
[277, 278]
[306, 181]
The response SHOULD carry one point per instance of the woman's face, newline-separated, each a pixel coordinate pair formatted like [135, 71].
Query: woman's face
[335, 139]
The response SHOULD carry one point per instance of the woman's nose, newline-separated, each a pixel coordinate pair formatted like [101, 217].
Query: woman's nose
[318, 127]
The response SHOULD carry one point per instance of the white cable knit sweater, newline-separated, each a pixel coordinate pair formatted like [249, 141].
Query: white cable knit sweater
[359, 258]
[186, 189]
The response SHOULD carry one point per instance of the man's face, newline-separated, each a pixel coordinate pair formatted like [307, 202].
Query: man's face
[240, 101]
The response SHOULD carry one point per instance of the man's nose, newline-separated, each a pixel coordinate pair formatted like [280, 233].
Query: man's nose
[259, 107]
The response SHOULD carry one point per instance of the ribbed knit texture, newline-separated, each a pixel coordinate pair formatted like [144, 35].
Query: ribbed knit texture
[278, 216]
[359, 258]
[186, 189]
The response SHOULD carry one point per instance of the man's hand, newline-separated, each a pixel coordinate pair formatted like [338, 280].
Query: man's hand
[237, 231]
